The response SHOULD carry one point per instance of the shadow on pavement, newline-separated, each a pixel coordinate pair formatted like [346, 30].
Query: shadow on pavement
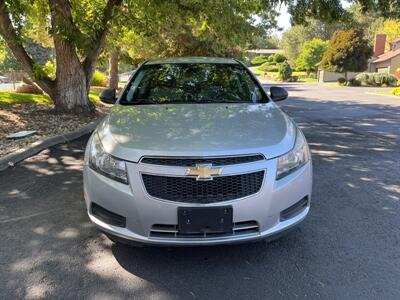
[347, 247]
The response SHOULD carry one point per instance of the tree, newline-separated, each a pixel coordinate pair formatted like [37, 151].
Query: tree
[8, 63]
[332, 11]
[391, 28]
[78, 32]
[311, 54]
[348, 51]
[294, 38]
[384, 8]
[78, 29]
[284, 70]
[279, 58]
[264, 42]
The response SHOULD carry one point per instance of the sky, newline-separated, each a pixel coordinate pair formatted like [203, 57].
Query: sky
[283, 19]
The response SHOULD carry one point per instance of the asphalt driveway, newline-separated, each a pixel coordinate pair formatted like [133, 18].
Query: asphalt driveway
[348, 248]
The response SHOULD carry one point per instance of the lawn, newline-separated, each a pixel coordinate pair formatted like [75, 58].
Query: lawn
[307, 79]
[384, 92]
[8, 98]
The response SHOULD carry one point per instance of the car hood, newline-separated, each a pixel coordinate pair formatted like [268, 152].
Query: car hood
[130, 132]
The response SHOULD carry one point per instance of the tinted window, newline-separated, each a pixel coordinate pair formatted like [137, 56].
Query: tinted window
[192, 83]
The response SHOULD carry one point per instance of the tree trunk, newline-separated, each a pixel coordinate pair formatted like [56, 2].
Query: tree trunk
[113, 71]
[345, 75]
[71, 93]
[70, 90]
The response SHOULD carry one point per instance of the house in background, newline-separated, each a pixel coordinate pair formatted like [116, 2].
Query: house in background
[381, 61]
[258, 52]
[385, 62]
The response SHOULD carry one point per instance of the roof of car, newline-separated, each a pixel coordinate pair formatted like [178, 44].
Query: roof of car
[192, 60]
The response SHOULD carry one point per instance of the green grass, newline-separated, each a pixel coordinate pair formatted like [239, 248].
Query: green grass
[8, 98]
[307, 79]
[299, 73]
[384, 92]
[256, 71]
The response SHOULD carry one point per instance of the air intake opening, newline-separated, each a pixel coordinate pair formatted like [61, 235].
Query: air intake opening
[294, 210]
[171, 231]
[107, 216]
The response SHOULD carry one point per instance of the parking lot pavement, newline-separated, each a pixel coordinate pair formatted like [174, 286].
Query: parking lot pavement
[348, 247]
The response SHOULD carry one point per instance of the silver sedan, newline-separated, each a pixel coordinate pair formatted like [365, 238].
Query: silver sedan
[195, 152]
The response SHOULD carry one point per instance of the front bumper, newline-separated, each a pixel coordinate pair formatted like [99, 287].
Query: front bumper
[142, 211]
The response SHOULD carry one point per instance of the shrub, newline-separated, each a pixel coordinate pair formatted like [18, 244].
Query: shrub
[285, 71]
[50, 69]
[259, 60]
[354, 82]
[396, 91]
[293, 79]
[29, 89]
[269, 68]
[99, 79]
[377, 79]
[364, 78]
[279, 58]
[341, 80]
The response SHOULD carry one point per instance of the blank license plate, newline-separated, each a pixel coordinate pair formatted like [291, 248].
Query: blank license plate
[195, 220]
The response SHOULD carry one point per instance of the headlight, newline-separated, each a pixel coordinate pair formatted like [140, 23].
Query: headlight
[104, 163]
[294, 159]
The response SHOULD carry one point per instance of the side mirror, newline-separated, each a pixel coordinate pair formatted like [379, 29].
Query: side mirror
[108, 96]
[278, 93]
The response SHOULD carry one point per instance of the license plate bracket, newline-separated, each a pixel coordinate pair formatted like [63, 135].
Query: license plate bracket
[200, 220]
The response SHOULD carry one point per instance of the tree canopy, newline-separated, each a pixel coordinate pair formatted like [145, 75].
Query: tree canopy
[347, 51]
[311, 54]
[391, 28]
[77, 29]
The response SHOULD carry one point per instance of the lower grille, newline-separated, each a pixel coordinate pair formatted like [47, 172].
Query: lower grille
[107, 216]
[190, 190]
[294, 210]
[171, 231]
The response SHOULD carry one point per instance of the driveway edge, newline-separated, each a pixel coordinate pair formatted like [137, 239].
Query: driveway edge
[11, 159]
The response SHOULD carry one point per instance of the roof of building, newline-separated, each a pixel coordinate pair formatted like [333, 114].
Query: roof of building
[193, 60]
[386, 56]
[265, 51]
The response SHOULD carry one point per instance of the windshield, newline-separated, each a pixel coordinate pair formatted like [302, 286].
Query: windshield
[192, 83]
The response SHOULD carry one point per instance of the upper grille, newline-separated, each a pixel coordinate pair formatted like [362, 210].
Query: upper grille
[190, 190]
[190, 162]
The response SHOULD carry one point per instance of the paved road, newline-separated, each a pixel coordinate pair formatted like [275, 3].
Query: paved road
[8, 87]
[348, 248]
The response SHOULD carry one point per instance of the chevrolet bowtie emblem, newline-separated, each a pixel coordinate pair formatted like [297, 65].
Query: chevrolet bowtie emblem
[204, 171]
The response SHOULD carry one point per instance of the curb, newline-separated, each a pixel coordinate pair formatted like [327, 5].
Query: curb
[11, 159]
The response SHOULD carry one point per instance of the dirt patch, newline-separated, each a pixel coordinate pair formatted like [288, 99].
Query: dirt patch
[43, 119]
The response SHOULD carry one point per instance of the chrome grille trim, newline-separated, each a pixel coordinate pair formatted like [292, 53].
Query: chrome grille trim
[192, 161]
[171, 231]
